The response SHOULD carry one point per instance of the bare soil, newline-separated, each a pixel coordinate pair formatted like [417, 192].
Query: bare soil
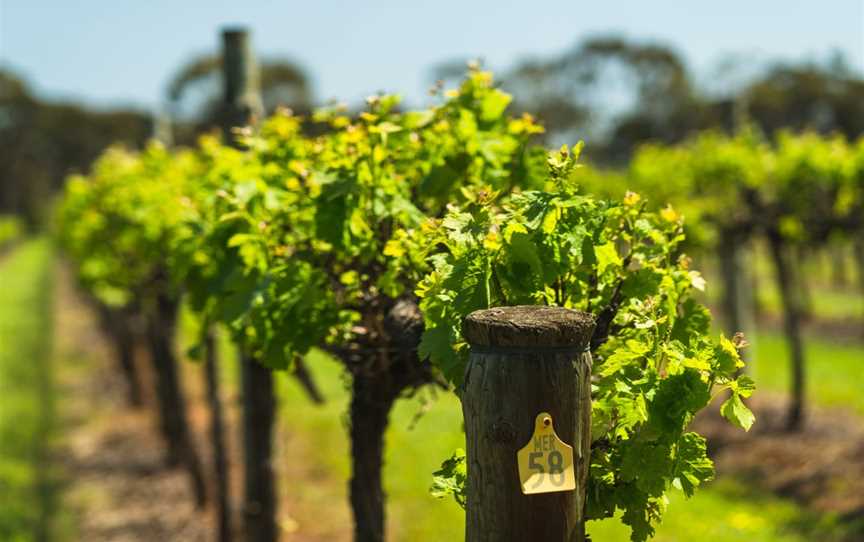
[111, 456]
[844, 330]
[821, 466]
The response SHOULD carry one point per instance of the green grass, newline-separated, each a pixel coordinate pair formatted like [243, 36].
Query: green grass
[415, 447]
[828, 300]
[834, 369]
[413, 453]
[728, 510]
[27, 492]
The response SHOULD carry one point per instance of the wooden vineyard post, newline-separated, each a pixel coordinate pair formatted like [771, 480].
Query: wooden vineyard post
[222, 493]
[161, 330]
[737, 291]
[527, 364]
[242, 106]
[858, 247]
[241, 82]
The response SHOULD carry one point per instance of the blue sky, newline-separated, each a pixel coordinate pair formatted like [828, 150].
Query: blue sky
[122, 52]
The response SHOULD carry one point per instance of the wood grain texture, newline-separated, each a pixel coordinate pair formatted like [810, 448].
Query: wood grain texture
[241, 79]
[503, 392]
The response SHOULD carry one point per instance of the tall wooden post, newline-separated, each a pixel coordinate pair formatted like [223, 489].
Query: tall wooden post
[737, 292]
[161, 329]
[525, 361]
[242, 108]
[858, 247]
[221, 474]
[241, 80]
[117, 325]
[162, 129]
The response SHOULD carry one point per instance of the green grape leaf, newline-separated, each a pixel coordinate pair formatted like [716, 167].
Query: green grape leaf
[435, 344]
[450, 479]
[607, 256]
[692, 464]
[734, 410]
[648, 465]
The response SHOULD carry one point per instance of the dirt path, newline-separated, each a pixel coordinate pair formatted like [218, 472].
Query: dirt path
[109, 453]
[111, 456]
[821, 467]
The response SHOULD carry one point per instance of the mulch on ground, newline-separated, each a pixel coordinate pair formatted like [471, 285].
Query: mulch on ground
[821, 466]
[110, 455]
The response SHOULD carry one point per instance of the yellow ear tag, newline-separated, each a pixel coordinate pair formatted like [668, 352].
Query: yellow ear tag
[545, 463]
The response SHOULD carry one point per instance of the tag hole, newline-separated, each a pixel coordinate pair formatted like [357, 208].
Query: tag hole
[546, 421]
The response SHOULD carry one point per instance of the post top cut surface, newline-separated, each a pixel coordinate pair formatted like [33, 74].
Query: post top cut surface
[528, 326]
[235, 32]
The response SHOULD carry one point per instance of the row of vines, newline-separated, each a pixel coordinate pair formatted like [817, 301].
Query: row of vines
[374, 238]
[798, 194]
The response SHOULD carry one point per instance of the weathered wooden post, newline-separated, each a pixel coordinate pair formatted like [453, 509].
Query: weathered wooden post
[858, 247]
[242, 107]
[118, 326]
[241, 81]
[221, 474]
[161, 330]
[737, 291]
[162, 129]
[528, 380]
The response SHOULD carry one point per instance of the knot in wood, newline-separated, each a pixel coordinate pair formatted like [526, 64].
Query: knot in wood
[528, 326]
[501, 432]
[404, 323]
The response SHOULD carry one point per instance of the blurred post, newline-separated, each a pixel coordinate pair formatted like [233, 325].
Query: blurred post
[243, 108]
[118, 324]
[529, 372]
[217, 437]
[858, 247]
[162, 131]
[737, 292]
[783, 266]
[242, 82]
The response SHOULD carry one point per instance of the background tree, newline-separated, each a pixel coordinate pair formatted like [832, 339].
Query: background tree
[825, 98]
[618, 93]
[195, 94]
[44, 141]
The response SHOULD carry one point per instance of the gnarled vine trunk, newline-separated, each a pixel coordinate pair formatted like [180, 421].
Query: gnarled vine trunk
[799, 279]
[117, 324]
[792, 330]
[380, 375]
[370, 411]
[304, 378]
[259, 417]
[173, 421]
